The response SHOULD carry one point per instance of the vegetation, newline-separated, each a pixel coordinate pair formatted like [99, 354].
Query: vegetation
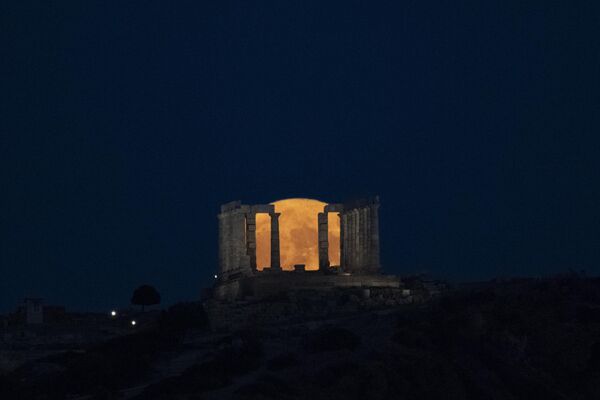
[145, 295]
[225, 365]
[282, 361]
[332, 339]
[182, 317]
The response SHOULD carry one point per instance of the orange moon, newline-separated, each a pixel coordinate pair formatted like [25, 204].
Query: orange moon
[298, 235]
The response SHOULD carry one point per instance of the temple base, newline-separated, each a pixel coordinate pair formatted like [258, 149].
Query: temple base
[263, 285]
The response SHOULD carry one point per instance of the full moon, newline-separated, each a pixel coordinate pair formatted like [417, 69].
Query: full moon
[298, 235]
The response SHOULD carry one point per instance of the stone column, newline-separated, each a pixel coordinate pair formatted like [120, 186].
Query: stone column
[233, 253]
[227, 240]
[364, 236]
[223, 251]
[357, 241]
[323, 224]
[342, 239]
[349, 256]
[275, 260]
[374, 231]
[251, 238]
[359, 236]
[241, 259]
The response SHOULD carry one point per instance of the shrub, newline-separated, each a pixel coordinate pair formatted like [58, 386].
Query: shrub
[213, 374]
[182, 317]
[265, 387]
[332, 339]
[282, 361]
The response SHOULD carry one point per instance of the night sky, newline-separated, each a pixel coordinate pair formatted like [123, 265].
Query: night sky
[124, 126]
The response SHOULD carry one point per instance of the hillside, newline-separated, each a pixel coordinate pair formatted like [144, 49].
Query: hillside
[522, 338]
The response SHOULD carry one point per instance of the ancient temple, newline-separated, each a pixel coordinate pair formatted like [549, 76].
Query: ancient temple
[355, 230]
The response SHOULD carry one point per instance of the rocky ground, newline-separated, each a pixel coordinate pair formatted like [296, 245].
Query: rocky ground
[526, 338]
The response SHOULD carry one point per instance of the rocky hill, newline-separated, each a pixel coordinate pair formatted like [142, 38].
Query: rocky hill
[516, 339]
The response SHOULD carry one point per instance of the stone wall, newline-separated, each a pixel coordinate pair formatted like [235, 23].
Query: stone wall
[302, 306]
[266, 284]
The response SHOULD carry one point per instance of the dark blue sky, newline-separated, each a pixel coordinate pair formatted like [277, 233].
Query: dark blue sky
[124, 126]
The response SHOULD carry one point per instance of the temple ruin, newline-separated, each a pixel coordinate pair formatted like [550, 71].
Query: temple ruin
[239, 276]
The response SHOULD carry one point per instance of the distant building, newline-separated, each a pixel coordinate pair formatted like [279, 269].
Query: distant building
[32, 311]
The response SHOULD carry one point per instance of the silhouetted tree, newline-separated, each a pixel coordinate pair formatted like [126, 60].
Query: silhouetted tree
[145, 295]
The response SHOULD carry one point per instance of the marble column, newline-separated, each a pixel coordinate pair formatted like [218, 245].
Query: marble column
[342, 240]
[323, 224]
[364, 234]
[357, 241]
[251, 239]
[374, 232]
[241, 258]
[275, 256]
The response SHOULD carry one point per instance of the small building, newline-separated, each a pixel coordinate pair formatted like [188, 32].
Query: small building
[34, 310]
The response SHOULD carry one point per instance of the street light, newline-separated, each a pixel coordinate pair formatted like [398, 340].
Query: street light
[113, 313]
[133, 322]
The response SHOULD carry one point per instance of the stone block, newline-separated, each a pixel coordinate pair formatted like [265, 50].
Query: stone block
[232, 205]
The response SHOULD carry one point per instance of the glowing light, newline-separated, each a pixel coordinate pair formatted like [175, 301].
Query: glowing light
[215, 276]
[298, 234]
[113, 313]
[133, 323]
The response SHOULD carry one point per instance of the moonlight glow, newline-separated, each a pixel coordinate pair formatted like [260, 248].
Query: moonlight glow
[298, 234]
